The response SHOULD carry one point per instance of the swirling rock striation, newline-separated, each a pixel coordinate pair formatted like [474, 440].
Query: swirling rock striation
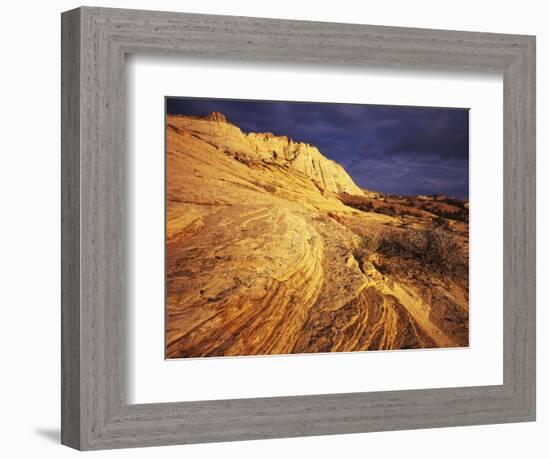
[262, 254]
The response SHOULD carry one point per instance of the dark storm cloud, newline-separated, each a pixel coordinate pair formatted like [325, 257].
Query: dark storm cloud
[398, 150]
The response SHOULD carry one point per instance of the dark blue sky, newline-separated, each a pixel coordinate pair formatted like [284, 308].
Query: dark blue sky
[392, 149]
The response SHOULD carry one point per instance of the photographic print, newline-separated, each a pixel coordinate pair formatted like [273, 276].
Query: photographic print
[305, 227]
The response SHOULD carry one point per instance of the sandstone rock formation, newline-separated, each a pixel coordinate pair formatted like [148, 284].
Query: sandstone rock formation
[264, 256]
[269, 149]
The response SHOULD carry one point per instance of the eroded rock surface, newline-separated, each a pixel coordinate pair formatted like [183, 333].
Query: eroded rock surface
[263, 255]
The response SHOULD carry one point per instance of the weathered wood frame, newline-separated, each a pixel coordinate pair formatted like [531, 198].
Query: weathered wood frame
[95, 413]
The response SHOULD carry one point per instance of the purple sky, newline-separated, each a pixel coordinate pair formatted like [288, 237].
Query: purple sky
[392, 149]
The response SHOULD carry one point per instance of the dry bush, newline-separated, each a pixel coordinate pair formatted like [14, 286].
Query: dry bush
[384, 206]
[438, 221]
[449, 208]
[433, 249]
[368, 245]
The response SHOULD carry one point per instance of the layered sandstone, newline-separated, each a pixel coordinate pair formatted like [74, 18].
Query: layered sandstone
[269, 149]
[263, 254]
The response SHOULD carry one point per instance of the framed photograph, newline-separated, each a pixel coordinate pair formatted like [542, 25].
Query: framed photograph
[278, 228]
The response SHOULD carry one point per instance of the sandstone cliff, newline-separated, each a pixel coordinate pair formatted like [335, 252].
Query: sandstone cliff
[270, 149]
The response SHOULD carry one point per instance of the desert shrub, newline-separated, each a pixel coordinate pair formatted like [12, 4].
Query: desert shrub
[357, 202]
[451, 201]
[388, 211]
[433, 249]
[382, 205]
[369, 243]
[448, 209]
[438, 221]
[459, 215]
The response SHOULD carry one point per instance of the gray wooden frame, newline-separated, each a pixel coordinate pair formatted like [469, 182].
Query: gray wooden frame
[95, 413]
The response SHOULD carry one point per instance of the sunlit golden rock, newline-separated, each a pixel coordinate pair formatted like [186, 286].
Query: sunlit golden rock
[273, 249]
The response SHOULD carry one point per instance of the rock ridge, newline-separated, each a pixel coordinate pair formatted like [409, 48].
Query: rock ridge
[268, 148]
